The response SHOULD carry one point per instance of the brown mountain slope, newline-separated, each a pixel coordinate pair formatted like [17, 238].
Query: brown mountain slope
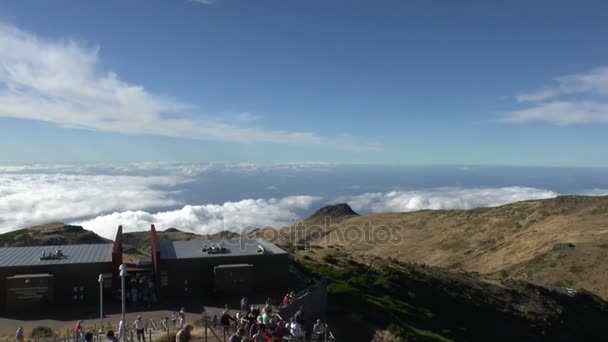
[50, 234]
[561, 241]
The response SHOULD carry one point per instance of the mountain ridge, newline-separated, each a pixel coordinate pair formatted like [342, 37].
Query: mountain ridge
[561, 241]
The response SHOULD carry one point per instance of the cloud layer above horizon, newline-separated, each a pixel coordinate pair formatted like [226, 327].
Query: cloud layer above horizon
[60, 82]
[101, 197]
[444, 198]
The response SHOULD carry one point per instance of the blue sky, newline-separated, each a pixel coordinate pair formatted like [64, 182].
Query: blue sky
[412, 82]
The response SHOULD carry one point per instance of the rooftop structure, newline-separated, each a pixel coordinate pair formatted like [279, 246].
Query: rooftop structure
[55, 255]
[209, 249]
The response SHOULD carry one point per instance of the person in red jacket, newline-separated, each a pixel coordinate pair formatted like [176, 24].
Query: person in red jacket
[286, 300]
[78, 330]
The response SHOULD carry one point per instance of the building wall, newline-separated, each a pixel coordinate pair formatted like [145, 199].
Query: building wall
[271, 272]
[69, 280]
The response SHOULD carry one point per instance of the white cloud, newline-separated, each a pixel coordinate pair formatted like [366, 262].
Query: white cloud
[562, 113]
[29, 199]
[103, 196]
[61, 82]
[574, 99]
[593, 82]
[204, 2]
[207, 219]
[164, 168]
[443, 198]
[595, 192]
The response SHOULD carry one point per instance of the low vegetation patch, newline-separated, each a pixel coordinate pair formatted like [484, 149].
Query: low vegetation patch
[420, 303]
[42, 331]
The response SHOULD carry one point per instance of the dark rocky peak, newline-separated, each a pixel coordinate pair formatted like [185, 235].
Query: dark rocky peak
[334, 211]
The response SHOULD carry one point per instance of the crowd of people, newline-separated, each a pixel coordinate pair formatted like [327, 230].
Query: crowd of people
[251, 323]
[141, 289]
[255, 324]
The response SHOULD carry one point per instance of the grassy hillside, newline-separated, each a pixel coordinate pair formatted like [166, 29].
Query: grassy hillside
[50, 234]
[561, 241]
[419, 303]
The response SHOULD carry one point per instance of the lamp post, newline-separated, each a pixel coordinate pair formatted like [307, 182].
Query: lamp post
[100, 280]
[123, 275]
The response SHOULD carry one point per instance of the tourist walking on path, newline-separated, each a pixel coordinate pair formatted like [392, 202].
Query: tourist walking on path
[140, 329]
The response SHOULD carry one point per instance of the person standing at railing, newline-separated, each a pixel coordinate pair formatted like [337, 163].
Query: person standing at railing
[19, 334]
[121, 329]
[111, 337]
[318, 331]
[244, 304]
[226, 320]
[182, 318]
[260, 335]
[184, 334]
[274, 332]
[237, 336]
[205, 316]
[296, 330]
[299, 316]
[286, 300]
[78, 330]
[140, 328]
[88, 336]
[292, 297]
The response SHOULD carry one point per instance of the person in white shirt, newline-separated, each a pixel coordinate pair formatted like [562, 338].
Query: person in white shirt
[140, 328]
[296, 330]
[121, 330]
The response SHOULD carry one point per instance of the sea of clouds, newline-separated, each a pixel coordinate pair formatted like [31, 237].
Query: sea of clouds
[100, 197]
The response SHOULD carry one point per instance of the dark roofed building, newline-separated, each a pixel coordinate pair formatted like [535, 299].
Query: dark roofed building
[199, 267]
[33, 277]
[51, 278]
